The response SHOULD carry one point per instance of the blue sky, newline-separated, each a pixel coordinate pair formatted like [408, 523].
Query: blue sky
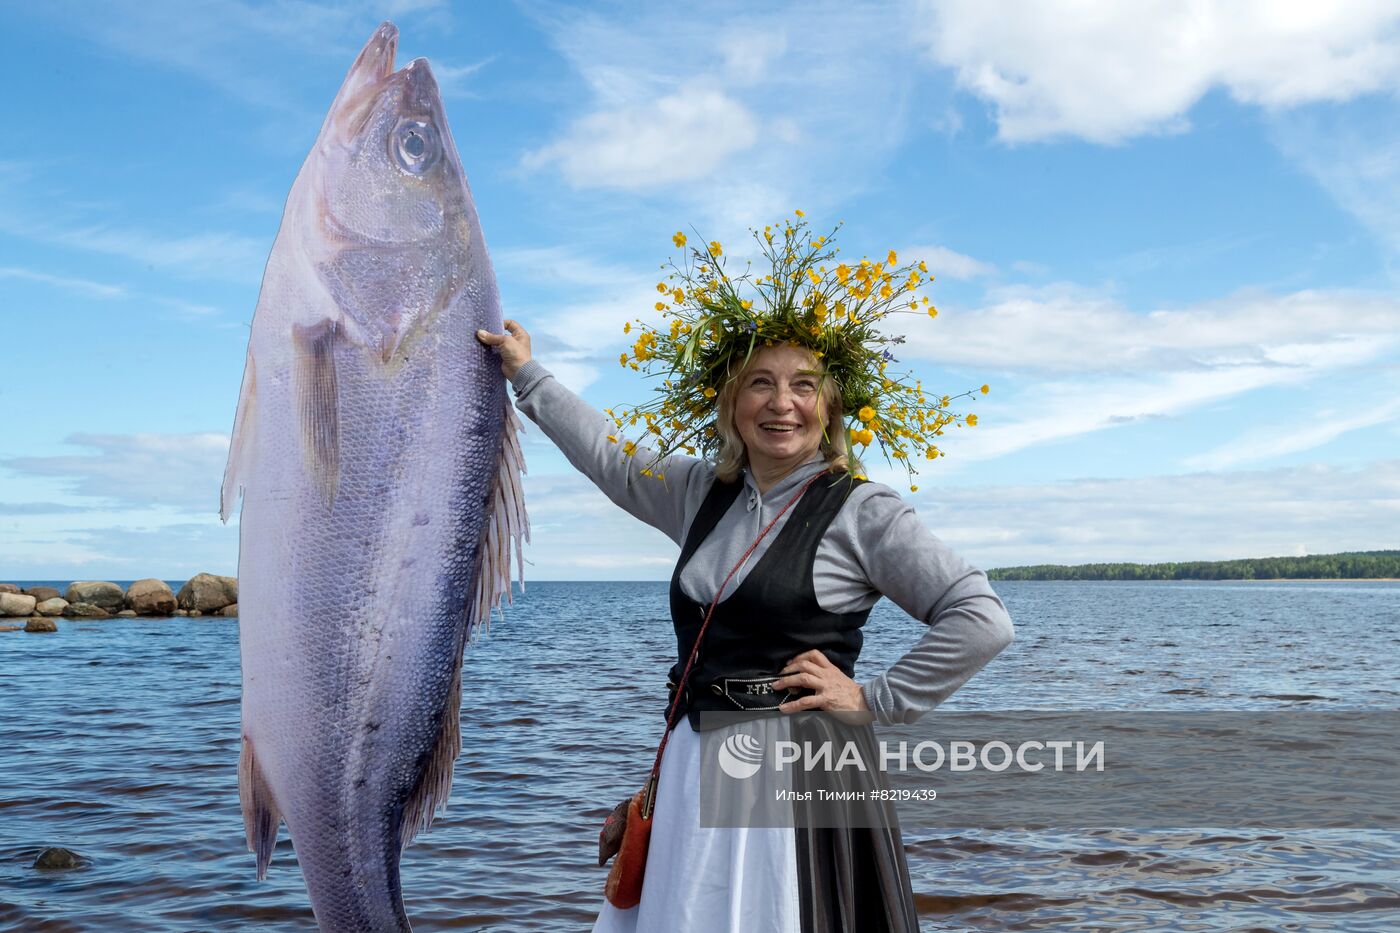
[1166, 234]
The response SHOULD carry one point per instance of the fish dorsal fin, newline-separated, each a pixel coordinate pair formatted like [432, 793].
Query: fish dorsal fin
[241, 444]
[506, 523]
[507, 529]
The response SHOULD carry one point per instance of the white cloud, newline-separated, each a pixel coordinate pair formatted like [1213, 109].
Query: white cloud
[1084, 363]
[1355, 158]
[726, 104]
[1302, 431]
[80, 286]
[1106, 72]
[1069, 329]
[181, 471]
[945, 263]
[678, 137]
[1194, 516]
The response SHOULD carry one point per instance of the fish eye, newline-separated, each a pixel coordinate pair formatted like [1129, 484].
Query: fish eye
[415, 146]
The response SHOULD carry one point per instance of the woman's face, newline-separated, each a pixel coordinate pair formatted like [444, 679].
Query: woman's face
[776, 410]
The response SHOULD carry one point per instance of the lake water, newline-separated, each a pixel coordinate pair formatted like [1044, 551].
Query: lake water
[119, 739]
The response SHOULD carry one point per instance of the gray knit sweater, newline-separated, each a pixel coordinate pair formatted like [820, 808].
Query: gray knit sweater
[876, 546]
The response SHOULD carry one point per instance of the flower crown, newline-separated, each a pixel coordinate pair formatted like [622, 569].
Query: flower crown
[808, 298]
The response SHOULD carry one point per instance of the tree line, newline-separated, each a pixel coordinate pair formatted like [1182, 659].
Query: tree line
[1357, 565]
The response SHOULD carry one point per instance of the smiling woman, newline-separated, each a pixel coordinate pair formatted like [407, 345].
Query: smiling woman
[777, 528]
[775, 411]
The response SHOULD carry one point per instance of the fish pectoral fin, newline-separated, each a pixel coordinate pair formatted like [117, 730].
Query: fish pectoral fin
[318, 401]
[508, 527]
[241, 444]
[261, 815]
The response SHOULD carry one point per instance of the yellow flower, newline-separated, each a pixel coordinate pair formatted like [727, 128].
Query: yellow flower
[931, 453]
[660, 306]
[913, 488]
[866, 413]
[798, 213]
[923, 267]
[622, 360]
[709, 392]
[635, 367]
[892, 258]
[972, 421]
[627, 328]
[612, 438]
[646, 472]
[678, 296]
[678, 239]
[661, 287]
[867, 437]
[715, 249]
[629, 448]
[886, 292]
[986, 389]
[746, 305]
[932, 311]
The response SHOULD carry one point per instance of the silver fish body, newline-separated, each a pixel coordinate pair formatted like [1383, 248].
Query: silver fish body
[379, 465]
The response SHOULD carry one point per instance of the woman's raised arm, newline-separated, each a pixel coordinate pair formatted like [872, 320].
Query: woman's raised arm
[594, 444]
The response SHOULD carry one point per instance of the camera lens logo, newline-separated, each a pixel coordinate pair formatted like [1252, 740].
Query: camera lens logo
[740, 756]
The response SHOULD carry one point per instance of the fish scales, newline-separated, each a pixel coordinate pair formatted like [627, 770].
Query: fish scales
[377, 458]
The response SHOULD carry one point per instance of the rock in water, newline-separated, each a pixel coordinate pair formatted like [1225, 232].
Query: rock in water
[378, 459]
[9, 588]
[208, 592]
[52, 607]
[108, 596]
[41, 593]
[58, 857]
[85, 611]
[150, 597]
[16, 604]
[228, 611]
[41, 625]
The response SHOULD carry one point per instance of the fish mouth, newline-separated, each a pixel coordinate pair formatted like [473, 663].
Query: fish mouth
[374, 63]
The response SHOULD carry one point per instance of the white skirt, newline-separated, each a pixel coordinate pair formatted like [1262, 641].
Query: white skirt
[711, 880]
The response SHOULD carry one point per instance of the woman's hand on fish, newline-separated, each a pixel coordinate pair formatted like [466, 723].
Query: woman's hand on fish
[514, 346]
[831, 689]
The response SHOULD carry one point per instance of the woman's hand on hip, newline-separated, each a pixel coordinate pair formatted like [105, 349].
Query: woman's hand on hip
[831, 689]
[514, 346]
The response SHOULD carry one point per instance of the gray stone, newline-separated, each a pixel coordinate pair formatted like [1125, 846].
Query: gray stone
[208, 592]
[127, 614]
[181, 612]
[41, 593]
[86, 611]
[109, 596]
[52, 607]
[9, 588]
[16, 604]
[196, 612]
[150, 597]
[231, 611]
[58, 857]
[41, 625]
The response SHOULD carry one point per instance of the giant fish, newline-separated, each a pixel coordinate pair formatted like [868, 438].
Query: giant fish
[379, 466]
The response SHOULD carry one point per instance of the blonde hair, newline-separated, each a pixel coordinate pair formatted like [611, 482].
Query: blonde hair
[733, 456]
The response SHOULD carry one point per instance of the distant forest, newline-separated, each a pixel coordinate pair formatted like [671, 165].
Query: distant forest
[1354, 565]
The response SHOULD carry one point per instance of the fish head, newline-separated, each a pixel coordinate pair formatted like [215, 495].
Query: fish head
[390, 173]
[400, 238]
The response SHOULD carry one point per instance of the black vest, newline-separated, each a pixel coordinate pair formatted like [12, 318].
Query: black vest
[772, 616]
